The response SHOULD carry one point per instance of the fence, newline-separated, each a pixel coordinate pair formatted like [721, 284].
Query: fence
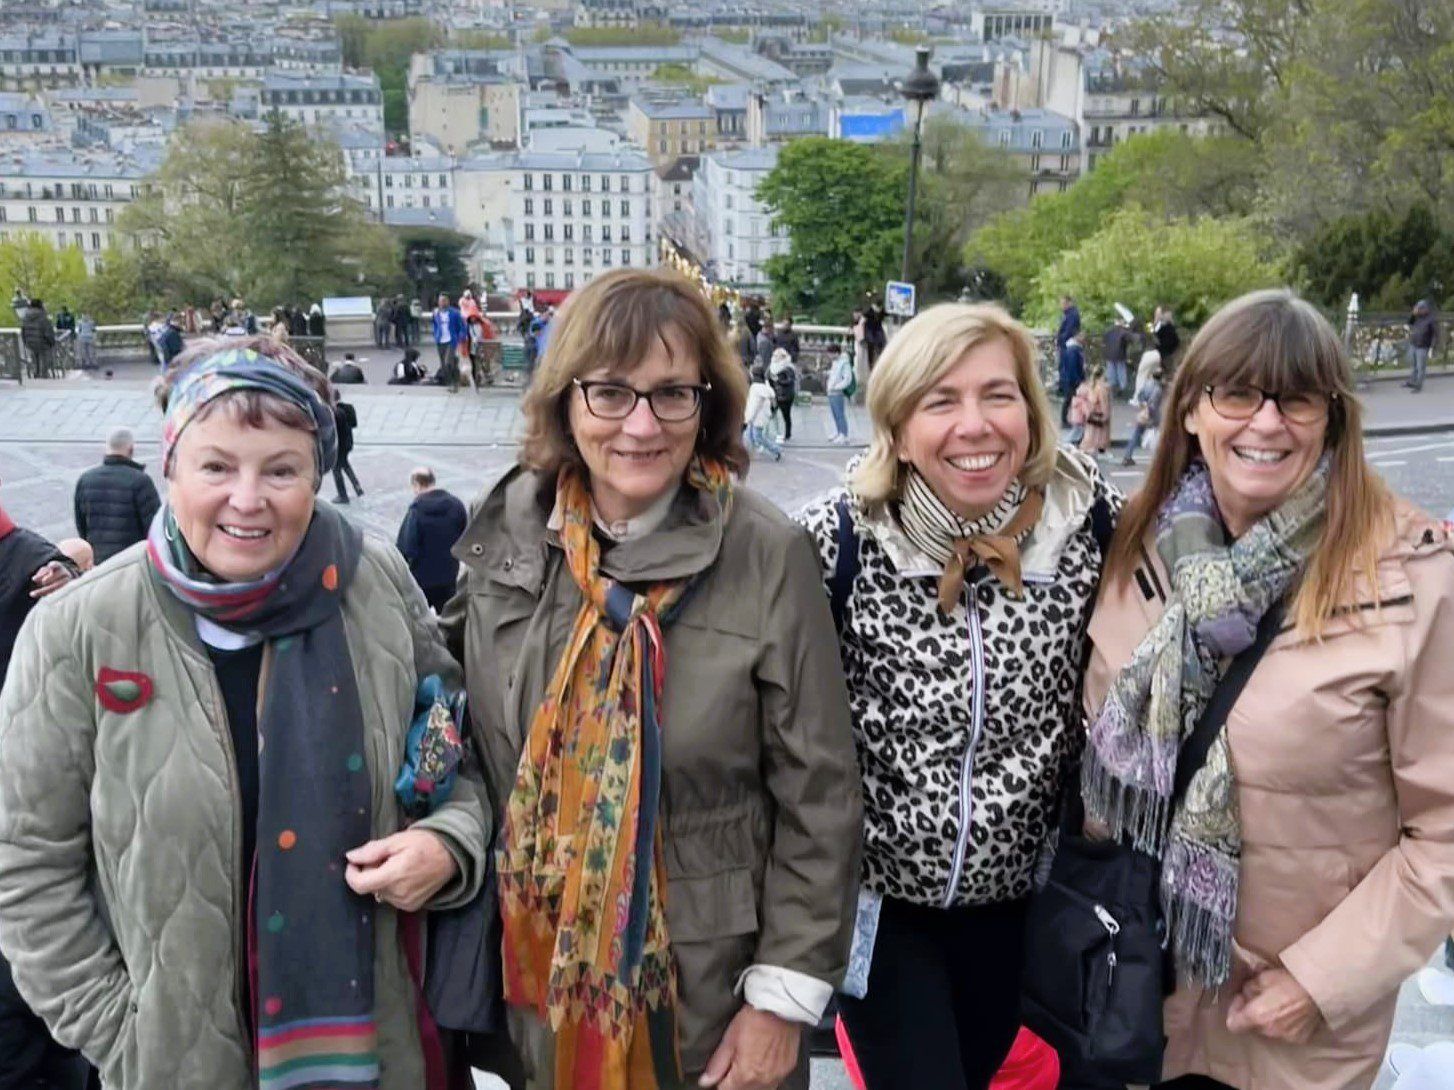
[115, 344]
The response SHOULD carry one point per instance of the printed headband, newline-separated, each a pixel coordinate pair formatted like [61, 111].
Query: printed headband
[243, 369]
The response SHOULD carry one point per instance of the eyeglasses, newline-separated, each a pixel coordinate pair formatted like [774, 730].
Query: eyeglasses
[1245, 402]
[617, 401]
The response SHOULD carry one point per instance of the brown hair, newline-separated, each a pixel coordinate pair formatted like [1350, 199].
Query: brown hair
[1276, 341]
[612, 322]
[251, 408]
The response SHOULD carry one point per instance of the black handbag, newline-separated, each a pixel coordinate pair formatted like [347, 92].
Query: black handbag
[1096, 966]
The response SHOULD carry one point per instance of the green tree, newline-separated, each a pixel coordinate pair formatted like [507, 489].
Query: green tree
[842, 206]
[644, 34]
[1142, 260]
[262, 216]
[116, 291]
[31, 263]
[1388, 260]
[479, 39]
[442, 249]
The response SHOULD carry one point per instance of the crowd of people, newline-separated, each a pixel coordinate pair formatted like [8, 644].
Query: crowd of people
[622, 778]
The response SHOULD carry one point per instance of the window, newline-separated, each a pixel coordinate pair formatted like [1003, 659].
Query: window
[61, 239]
[586, 185]
[550, 232]
[625, 257]
[570, 255]
[661, 146]
[1135, 107]
[606, 257]
[529, 182]
[389, 200]
[530, 280]
[424, 181]
[626, 208]
[1037, 138]
[95, 241]
[606, 233]
[31, 210]
[605, 183]
[549, 280]
[444, 181]
[1004, 138]
[530, 255]
[728, 202]
[625, 183]
[408, 181]
[570, 280]
[565, 207]
[529, 206]
[549, 208]
[565, 180]
[625, 233]
[426, 200]
[1065, 138]
[1035, 162]
[548, 178]
[605, 209]
[530, 232]
[60, 215]
[550, 255]
[586, 205]
[587, 256]
[388, 181]
[75, 215]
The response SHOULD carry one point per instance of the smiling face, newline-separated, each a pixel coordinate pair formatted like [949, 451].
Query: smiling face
[1255, 463]
[242, 496]
[969, 435]
[636, 460]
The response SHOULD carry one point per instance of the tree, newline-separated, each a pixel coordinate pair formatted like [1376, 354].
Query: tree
[1388, 260]
[265, 217]
[842, 206]
[1142, 260]
[642, 34]
[117, 291]
[683, 76]
[30, 262]
[479, 39]
[445, 250]
[386, 48]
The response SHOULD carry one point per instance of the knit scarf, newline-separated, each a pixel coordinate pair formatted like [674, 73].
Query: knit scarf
[312, 938]
[582, 884]
[1219, 592]
[994, 539]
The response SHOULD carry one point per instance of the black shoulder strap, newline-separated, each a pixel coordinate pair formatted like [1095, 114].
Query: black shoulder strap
[1103, 527]
[1199, 743]
[845, 571]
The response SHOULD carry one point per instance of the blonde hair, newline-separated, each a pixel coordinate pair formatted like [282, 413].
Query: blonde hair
[1275, 341]
[918, 357]
[612, 322]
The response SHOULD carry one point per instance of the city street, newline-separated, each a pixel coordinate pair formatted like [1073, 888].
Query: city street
[51, 432]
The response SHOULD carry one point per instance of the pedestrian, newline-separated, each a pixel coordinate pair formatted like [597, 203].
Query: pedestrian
[961, 559]
[1069, 323]
[349, 373]
[65, 321]
[1150, 361]
[86, 343]
[1314, 848]
[383, 322]
[763, 347]
[782, 375]
[414, 321]
[191, 325]
[408, 371]
[217, 317]
[1164, 334]
[242, 318]
[1117, 344]
[874, 337]
[431, 526]
[116, 500]
[1090, 411]
[787, 339]
[752, 316]
[860, 344]
[297, 320]
[405, 325]
[841, 386]
[619, 594]
[1072, 374]
[530, 349]
[1147, 403]
[1423, 328]
[316, 323]
[252, 676]
[169, 339]
[449, 335]
[724, 315]
[758, 414]
[542, 335]
[345, 421]
[526, 317]
[279, 328]
[39, 337]
[31, 568]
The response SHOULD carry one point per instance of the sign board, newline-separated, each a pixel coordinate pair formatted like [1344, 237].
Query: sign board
[899, 299]
[351, 306]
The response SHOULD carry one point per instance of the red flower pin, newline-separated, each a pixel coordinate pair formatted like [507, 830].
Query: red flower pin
[122, 691]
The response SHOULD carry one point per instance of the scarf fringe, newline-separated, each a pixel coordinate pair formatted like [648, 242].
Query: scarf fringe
[1129, 810]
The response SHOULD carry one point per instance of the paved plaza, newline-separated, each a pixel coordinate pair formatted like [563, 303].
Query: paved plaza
[51, 432]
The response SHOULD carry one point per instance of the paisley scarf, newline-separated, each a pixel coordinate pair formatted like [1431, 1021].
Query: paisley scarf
[582, 884]
[1219, 592]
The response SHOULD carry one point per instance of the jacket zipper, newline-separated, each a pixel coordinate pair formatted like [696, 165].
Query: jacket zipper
[966, 772]
[239, 908]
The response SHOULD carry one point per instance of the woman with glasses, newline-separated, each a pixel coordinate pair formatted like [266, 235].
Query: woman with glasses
[651, 669]
[1310, 867]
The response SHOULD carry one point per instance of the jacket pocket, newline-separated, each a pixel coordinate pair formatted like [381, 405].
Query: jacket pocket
[715, 906]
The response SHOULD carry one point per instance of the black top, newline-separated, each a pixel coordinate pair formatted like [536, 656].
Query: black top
[434, 522]
[238, 673]
[114, 505]
[22, 554]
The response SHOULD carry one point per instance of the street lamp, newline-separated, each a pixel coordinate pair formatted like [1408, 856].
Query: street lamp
[919, 88]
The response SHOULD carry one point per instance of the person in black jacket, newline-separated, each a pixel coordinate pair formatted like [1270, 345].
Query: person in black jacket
[115, 501]
[39, 338]
[30, 568]
[346, 420]
[430, 528]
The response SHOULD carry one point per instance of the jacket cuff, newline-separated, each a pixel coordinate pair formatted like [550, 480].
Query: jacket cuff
[1318, 974]
[791, 995]
[469, 871]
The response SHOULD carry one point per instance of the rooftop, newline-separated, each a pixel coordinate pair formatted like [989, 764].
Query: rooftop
[674, 110]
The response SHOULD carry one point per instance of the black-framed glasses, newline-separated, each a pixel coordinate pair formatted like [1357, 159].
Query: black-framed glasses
[616, 401]
[1245, 402]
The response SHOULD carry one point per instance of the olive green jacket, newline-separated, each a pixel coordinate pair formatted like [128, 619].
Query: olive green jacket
[121, 884]
[761, 810]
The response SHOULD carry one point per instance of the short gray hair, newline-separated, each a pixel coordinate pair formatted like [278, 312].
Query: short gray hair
[120, 441]
[422, 477]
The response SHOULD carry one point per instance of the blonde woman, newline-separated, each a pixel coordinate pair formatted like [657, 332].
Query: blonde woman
[962, 560]
[1311, 867]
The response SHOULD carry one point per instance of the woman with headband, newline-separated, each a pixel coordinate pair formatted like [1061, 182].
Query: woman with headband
[205, 878]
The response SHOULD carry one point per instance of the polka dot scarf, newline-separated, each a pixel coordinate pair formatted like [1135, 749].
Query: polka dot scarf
[310, 941]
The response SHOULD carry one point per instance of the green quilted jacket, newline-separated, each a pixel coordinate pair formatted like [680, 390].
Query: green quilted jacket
[121, 893]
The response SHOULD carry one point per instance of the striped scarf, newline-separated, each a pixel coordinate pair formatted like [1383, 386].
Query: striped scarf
[582, 884]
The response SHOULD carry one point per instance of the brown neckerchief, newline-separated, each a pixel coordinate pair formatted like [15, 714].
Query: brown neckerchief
[999, 551]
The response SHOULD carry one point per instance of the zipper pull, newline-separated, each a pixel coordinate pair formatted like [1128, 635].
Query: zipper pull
[1110, 970]
[1107, 920]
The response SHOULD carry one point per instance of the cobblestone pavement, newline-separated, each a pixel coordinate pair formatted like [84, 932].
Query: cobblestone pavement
[50, 433]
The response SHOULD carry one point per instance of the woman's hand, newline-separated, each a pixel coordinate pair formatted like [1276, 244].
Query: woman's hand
[404, 870]
[758, 1051]
[1274, 1005]
[49, 578]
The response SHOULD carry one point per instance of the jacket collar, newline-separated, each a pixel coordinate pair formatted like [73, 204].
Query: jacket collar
[120, 460]
[1068, 497]
[508, 539]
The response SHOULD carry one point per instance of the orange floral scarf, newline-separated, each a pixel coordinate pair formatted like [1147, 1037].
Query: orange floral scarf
[582, 881]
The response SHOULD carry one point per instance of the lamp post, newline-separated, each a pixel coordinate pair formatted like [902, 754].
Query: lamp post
[919, 88]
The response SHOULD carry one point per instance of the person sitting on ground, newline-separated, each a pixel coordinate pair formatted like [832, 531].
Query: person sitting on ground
[431, 526]
[408, 371]
[116, 500]
[348, 373]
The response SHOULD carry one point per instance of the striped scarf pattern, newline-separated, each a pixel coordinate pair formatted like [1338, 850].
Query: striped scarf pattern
[582, 878]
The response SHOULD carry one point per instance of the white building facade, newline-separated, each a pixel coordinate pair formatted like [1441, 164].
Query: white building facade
[735, 229]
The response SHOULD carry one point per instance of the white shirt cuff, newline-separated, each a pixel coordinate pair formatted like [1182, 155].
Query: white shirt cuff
[791, 995]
